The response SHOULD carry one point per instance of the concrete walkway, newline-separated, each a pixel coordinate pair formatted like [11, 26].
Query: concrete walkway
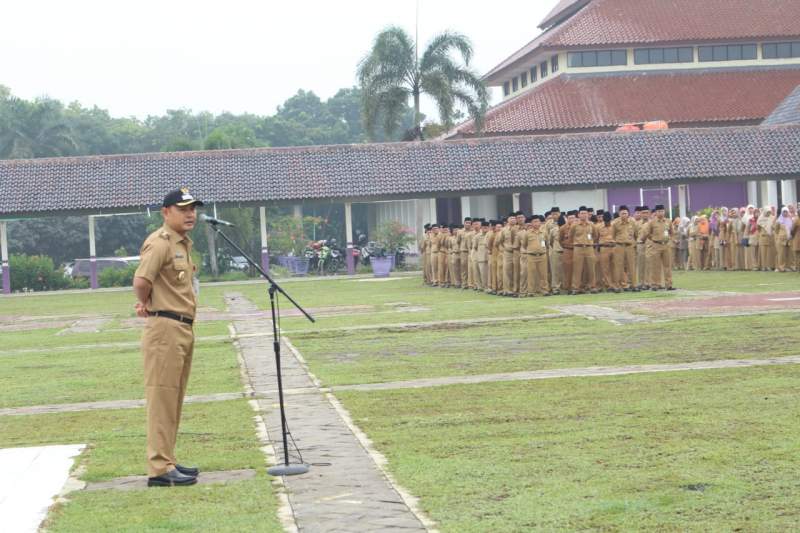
[594, 371]
[345, 490]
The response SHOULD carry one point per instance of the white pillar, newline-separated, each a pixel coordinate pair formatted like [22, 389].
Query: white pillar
[641, 196]
[4, 257]
[298, 211]
[772, 193]
[262, 218]
[466, 210]
[92, 256]
[682, 207]
[600, 199]
[789, 192]
[752, 193]
[669, 201]
[515, 202]
[348, 225]
[434, 214]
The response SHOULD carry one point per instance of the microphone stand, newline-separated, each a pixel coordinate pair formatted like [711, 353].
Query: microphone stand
[285, 469]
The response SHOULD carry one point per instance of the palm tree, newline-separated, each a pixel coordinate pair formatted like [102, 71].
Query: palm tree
[34, 129]
[393, 72]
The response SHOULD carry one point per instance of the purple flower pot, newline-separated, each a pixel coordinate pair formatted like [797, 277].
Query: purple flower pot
[381, 266]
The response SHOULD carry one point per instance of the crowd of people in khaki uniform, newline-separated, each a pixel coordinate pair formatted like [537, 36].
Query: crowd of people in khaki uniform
[583, 251]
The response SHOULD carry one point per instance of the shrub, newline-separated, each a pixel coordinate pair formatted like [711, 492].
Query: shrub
[113, 277]
[35, 273]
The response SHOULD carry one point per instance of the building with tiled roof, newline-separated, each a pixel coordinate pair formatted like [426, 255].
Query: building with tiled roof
[600, 64]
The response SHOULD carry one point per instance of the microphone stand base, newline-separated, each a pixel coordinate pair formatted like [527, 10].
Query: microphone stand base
[287, 470]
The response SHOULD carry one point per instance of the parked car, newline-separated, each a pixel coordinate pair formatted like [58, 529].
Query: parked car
[81, 268]
[238, 262]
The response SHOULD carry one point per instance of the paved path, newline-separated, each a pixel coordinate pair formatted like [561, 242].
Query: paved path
[594, 371]
[345, 489]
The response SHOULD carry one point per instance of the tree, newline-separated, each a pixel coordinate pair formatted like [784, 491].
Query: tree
[34, 129]
[393, 72]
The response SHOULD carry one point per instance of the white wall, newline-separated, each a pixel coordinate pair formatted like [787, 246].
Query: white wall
[411, 213]
[567, 200]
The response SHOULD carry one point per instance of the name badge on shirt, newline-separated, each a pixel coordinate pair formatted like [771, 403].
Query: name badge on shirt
[666, 233]
[590, 236]
[542, 244]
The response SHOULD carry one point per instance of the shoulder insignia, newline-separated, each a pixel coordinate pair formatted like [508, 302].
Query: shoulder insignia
[164, 235]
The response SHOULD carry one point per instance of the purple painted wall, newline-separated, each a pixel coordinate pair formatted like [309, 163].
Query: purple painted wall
[699, 196]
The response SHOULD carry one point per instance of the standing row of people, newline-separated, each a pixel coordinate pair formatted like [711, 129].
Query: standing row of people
[745, 238]
[575, 252]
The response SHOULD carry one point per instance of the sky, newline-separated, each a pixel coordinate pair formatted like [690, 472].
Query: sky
[145, 57]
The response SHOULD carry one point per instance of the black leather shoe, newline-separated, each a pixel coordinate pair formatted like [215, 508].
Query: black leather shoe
[188, 470]
[173, 478]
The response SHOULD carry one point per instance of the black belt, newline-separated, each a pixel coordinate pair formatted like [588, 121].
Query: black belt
[536, 253]
[658, 242]
[583, 245]
[624, 244]
[173, 316]
[606, 245]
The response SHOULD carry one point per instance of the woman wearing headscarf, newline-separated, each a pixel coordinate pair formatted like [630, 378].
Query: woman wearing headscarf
[714, 240]
[751, 231]
[683, 245]
[733, 237]
[766, 241]
[782, 229]
[703, 247]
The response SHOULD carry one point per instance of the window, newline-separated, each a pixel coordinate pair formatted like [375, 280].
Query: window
[506, 88]
[543, 68]
[523, 79]
[651, 56]
[731, 52]
[554, 63]
[515, 84]
[780, 50]
[534, 71]
[599, 58]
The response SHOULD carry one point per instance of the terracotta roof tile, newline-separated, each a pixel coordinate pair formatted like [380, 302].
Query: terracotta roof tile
[571, 102]
[647, 22]
[381, 171]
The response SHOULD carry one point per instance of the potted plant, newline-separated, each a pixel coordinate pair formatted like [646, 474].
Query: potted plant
[393, 239]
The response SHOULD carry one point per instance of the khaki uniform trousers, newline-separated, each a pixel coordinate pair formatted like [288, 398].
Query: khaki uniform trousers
[443, 267]
[492, 277]
[482, 277]
[455, 269]
[434, 267]
[167, 347]
[641, 264]
[659, 262]
[509, 266]
[781, 255]
[606, 261]
[536, 274]
[584, 260]
[625, 266]
[766, 254]
[425, 270]
[516, 265]
[566, 269]
[499, 270]
[555, 270]
[522, 288]
[464, 278]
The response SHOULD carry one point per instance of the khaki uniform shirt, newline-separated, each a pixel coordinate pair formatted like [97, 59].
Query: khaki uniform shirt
[657, 231]
[479, 247]
[536, 241]
[551, 231]
[796, 234]
[624, 232]
[605, 234]
[166, 262]
[521, 241]
[583, 233]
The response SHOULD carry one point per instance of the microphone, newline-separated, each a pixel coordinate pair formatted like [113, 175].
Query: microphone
[215, 221]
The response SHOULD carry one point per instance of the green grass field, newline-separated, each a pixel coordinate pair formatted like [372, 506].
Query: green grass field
[711, 450]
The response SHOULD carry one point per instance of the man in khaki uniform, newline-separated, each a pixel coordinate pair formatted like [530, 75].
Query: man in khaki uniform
[583, 237]
[566, 245]
[520, 244]
[657, 234]
[454, 257]
[641, 248]
[554, 249]
[464, 242]
[624, 232]
[444, 250]
[535, 246]
[481, 256]
[434, 261]
[605, 257]
[519, 258]
[497, 258]
[473, 261]
[424, 252]
[506, 242]
[165, 293]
